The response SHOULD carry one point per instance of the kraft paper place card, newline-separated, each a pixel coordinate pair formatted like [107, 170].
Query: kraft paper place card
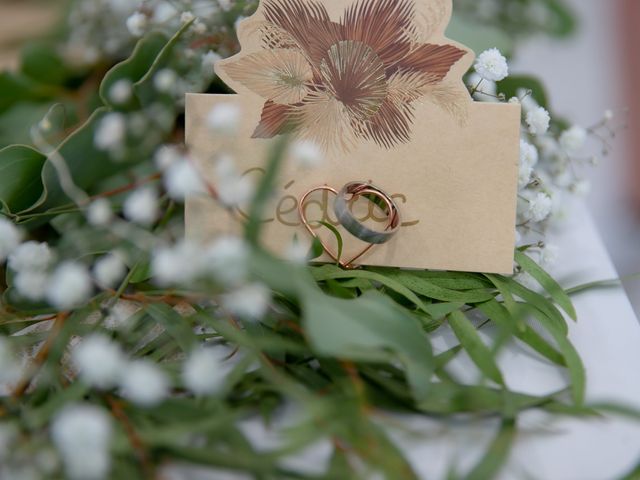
[377, 86]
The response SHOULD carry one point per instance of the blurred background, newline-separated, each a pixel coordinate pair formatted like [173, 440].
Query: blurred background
[597, 69]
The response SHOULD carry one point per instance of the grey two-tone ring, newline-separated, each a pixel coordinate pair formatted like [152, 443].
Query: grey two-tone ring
[353, 225]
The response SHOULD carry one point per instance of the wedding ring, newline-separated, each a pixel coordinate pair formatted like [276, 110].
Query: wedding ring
[356, 228]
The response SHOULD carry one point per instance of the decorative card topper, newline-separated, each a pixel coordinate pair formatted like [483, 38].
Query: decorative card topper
[378, 88]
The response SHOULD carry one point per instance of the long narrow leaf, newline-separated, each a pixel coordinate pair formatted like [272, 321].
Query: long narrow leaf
[475, 347]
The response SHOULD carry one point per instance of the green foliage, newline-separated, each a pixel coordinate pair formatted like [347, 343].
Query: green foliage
[340, 346]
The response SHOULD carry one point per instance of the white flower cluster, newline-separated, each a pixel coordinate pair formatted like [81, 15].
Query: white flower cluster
[549, 160]
[82, 434]
[106, 29]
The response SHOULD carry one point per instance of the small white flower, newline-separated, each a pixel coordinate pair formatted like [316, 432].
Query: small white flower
[209, 61]
[492, 65]
[142, 206]
[109, 270]
[137, 24]
[581, 188]
[250, 302]
[540, 206]
[31, 256]
[538, 120]
[111, 132]
[183, 180]
[10, 237]
[528, 154]
[31, 284]
[307, 153]
[165, 80]
[518, 237]
[166, 156]
[99, 213]
[121, 91]
[227, 259]
[225, 5]
[573, 139]
[187, 17]
[224, 118]
[99, 361]
[233, 189]
[179, 264]
[10, 368]
[164, 12]
[200, 28]
[549, 255]
[69, 286]
[203, 372]
[144, 383]
[524, 175]
[82, 435]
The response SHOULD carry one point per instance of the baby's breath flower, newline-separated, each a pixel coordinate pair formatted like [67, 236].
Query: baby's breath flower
[249, 302]
[200, 28]
[165, 80]
[166, 156]
[573, 139]
[178, 264]
[99, 213]
[31, 256]
[209, 61]
[121, 91]
[109, 270]
[540, 206]
[492, 65]
[111, 132]
[226, 5]
[227, 259]
[144, 383]
[528, 154]
[307, 153]
[538, 120]
[142, 206]
[183, 180]
[31, 284]
[524, 175]
[69, 286]
[549, 255]
[187, 17]
[99, 361]
[233, 189]
[581, 188]
[137, 24]
[203, 372]
[10, 369]
[224, 118]
[82, 434]
[10, 237]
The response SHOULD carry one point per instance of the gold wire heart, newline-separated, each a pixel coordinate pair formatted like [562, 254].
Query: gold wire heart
[349, 265]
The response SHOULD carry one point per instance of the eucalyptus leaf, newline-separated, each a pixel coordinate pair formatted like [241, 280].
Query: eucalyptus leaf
[548, 283]
[475, 347]
[20, 182]
[370, 328]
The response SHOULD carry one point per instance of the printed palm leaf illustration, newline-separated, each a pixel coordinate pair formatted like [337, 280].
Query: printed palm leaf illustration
[338, 83]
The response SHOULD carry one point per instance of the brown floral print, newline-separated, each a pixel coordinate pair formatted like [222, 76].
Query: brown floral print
[339, 83]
